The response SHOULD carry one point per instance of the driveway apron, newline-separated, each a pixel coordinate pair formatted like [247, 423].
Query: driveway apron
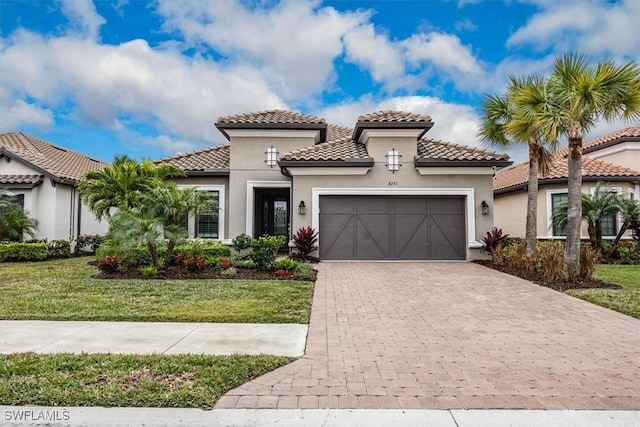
[451, 336]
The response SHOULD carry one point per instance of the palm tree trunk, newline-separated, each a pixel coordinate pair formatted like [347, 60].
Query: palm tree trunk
[623, 229]
[167, 255]
[574, 202]
[532, 199]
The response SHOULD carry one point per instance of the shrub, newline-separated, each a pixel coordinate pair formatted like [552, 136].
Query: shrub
[285, 264]
[241, 262]
[284, 274]
[133, 258]
[224, 262]
[550, 257]
[214, 263]
[148, 270]
[191, 262]
[23, 251]
[303, 271]
[89, 243]
[59, 249]
[107, 264]
[305, 240]
[240, 242]
[265, 250]
[494, 242]
[588, 262]
[229, 273]
[213, 249]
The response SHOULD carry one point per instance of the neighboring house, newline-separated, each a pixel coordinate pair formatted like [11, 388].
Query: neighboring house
[379, 191]
[43, 177]
[613, 159]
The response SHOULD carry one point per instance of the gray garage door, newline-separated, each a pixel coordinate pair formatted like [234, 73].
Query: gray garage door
[393, 228]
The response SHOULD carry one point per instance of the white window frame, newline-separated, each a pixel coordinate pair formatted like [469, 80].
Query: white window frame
[251, 186]
[221, 204]
[619, 192]
[550, 234]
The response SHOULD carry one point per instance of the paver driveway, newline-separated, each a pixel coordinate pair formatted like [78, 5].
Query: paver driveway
[451, 335]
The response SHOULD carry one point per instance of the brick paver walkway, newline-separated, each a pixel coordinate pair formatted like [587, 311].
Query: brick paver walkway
[451, 335]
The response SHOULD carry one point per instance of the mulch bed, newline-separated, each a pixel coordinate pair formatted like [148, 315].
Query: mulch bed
[181, 273]
[558, 285]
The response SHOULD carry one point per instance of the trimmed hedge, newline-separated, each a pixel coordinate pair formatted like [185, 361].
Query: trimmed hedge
[23, 251]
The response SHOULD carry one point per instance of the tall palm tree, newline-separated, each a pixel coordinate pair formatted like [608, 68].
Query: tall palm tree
[580, 96]
[122, 185]
[506, 124]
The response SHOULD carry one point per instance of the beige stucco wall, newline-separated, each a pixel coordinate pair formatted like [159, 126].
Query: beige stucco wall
[511, 208]
[627, 158]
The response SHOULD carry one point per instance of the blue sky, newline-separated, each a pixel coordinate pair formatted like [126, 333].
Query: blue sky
[151, 78]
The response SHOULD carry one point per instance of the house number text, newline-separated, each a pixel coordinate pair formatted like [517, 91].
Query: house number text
[393, 183]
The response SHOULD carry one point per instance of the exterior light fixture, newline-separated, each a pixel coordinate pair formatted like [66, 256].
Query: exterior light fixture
[272, 156]
[394, 160]
[302, 208]
[485, 208]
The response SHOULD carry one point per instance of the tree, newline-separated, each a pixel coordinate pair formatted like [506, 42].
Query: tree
[14, 221]
[630, 210]
[604, 201]
[580, 96]
[506, 123]
[122, 185]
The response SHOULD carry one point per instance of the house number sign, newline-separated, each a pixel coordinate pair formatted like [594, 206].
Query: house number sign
[393, 183]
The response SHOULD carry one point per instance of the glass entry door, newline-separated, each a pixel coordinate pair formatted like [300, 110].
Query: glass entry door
[272, 212]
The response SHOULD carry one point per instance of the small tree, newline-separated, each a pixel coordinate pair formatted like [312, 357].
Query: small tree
[630, 210]
[14, 221]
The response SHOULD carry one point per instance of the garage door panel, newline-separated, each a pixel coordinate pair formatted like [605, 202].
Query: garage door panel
[392, 227]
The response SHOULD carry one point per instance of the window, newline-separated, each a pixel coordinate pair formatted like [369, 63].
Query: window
[609, 225]
[19, 199]
[556, 200]
[207, 226]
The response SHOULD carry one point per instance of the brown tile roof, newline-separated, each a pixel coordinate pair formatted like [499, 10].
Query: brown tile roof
[518, 175]
[441, 150]
[271, 117]
[335, 132]
[393, 116]
[31, 180]
[340, 149]
[209, 158]
[56, 161]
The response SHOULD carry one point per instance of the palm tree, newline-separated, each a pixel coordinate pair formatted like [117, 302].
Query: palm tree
[595, 207]
[630, 210]
[580, 96]
[506, 124]
[14, 221]
[122, 185]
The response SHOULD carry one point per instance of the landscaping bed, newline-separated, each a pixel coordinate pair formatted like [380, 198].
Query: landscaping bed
[173, 272]
[558, 284]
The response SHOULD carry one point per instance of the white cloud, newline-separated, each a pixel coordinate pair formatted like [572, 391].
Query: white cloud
[17, 113]
[594, 27]
[293, 43]
[445, 51]
[465, 25]
[375, 53]
[116, 86]
[83, 17]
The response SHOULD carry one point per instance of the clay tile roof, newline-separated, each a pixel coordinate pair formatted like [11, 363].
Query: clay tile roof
[209, 158]
[31, 180]
[337, 150]
[393, 116]
[518, 175]
[441, 150]
[56, 161]
[335, 132]
[271, 117]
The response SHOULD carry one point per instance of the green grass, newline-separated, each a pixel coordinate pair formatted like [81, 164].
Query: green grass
[625, 300]
[64, 290]
[126, 380]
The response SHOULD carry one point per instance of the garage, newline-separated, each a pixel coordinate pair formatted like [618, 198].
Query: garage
[392, 228]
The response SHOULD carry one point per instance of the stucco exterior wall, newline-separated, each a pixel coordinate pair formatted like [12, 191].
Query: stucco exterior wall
[10, 166]
[510, 213]
[627, 158]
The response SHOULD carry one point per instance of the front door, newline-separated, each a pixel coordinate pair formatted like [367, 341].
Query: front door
[272, 212]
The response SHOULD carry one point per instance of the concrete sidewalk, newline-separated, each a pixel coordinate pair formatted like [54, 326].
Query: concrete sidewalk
[146, 338]
[115, 417]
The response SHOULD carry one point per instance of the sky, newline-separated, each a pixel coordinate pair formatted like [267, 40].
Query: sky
[150, 79]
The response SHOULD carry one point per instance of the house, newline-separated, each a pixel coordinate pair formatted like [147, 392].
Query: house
[378, 191]
[43, 177]
[613, 159]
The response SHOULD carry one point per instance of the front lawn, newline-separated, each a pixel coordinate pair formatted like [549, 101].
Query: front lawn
[625, 300]
[126, 380]
[64, 290]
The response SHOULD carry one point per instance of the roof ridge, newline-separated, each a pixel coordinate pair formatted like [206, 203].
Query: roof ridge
[29, 146]
[190, 153]
[321, 145]
[606, 163]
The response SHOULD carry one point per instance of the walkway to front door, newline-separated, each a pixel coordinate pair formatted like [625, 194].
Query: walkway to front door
[451, 335]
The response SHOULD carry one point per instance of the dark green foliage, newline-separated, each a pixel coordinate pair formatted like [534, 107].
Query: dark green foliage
[23, 251]
[265, 249]
[89, 243]
[59, 249]
[213, 249]
[303, 271]
[240, 242]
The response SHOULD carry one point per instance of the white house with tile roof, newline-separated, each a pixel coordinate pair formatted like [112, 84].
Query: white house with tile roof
[613, 159]
[43, 177]
[378, 191]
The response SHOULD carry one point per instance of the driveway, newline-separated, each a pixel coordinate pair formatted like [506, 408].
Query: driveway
[450, 336]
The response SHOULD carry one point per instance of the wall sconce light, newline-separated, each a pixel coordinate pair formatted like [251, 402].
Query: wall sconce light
[394, 160]
[302, 208]
[272, 156]
[485, 208]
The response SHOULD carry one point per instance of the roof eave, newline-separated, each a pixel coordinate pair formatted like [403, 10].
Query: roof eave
[361, 126]
[208, 172]
[23, 184]
[548, 181]
[611, 143]
[55, 178]
[422, 162]
[322, 127]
